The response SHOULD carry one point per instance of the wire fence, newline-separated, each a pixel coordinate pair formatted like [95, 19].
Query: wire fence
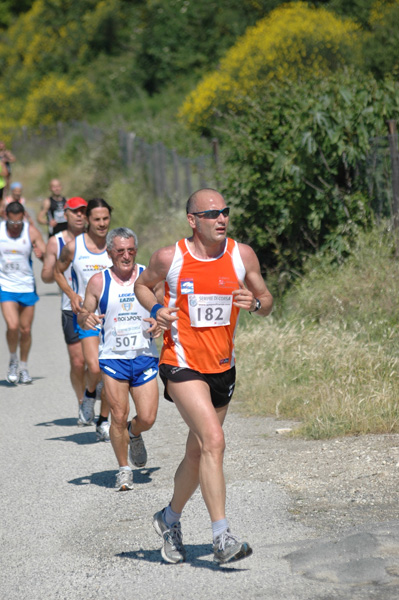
[167, 174]
[379, 176]
[170, 178]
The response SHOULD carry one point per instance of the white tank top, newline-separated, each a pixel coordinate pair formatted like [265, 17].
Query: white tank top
[123, 334]
[85, 264]
[16, 274]
[65, 301]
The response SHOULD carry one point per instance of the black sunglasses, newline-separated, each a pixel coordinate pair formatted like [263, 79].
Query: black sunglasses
[213, 214]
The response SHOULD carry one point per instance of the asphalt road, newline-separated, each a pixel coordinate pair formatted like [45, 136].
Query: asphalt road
[67, 534]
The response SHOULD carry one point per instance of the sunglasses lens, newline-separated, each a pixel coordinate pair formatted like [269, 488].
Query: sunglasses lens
[213, 214]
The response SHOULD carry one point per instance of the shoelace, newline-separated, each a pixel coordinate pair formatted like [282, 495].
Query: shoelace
[174, 536]
[226, 539]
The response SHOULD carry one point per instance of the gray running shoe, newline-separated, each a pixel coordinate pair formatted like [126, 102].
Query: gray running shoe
[24, 377]
[86, 411]
[124, 481]
[229, 548]
[102, 432]
[137, 451]
[12, 373]
[172, 550]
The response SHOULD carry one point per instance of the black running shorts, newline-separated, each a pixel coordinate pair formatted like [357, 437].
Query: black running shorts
[221, 385]
[70, 335]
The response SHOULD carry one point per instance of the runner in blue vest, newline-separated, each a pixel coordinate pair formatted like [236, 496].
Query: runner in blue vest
[128, 355]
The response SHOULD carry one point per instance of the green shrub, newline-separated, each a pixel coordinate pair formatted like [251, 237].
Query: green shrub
[295, 166]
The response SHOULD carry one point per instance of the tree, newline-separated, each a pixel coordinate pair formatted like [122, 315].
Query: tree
[295, 169]
[293, 40]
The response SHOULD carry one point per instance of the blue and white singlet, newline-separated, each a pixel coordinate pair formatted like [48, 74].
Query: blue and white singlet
[123, 334]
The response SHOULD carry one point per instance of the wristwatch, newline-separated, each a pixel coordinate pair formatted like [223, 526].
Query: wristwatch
[257, 306]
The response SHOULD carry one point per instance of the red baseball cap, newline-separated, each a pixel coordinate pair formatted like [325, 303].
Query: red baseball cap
[74, 203]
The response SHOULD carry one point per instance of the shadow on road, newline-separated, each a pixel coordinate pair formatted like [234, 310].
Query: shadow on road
[82, 439]
[194, 554]
[70, 422]
[5, 383]
[107, 478]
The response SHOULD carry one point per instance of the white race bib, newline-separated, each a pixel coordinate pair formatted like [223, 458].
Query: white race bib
[13, 262]
[128, 336]
[209, 310]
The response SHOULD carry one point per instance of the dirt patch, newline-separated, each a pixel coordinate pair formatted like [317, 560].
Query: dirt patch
[334, 484]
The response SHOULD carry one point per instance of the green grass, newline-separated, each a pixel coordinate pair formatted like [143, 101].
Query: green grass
[330, 358]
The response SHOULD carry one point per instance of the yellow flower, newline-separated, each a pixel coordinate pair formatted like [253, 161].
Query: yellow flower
[292, 40]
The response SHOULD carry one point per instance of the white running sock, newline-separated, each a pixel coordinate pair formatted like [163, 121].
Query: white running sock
[218, 527]
[170, 517]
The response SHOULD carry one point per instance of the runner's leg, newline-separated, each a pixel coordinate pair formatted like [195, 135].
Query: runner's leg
[145, 398]
[26, 314]
[117, 392]
[203, 461]
[11, 316]
[78, 369]
[90, 353]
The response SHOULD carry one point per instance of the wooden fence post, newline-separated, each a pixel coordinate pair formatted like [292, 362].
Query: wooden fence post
[176, 179]
[393, 147]
[129, 149]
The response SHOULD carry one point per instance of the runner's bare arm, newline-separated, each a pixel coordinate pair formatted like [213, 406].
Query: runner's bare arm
[149, 286]
[87, 318]
[255, 288]
[42, 216]
[50, 258]
[39, 247]
[61, 266]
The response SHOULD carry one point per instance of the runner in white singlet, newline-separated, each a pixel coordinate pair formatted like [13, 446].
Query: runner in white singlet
[88, 255]
[128, 354]
[17, 286]
[75, 213]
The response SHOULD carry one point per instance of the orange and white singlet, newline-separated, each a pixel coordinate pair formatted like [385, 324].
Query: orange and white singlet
[203, 336]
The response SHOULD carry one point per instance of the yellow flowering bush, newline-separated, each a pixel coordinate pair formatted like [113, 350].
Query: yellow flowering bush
[292, 40]
[380, 11]
[57, 98]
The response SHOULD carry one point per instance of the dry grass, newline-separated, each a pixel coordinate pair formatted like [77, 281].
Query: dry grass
[324, 377]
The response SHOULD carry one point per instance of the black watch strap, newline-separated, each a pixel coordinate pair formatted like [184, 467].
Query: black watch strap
[257, 307]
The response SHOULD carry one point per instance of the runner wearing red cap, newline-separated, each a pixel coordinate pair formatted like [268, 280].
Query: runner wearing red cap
[75, 214]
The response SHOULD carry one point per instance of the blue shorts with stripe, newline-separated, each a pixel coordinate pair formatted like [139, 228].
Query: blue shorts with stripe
[137, 371]
[84, 333]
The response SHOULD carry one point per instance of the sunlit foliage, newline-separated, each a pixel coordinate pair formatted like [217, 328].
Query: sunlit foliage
[293, 40]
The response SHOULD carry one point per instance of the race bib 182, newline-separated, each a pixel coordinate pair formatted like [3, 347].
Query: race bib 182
[209, 310]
